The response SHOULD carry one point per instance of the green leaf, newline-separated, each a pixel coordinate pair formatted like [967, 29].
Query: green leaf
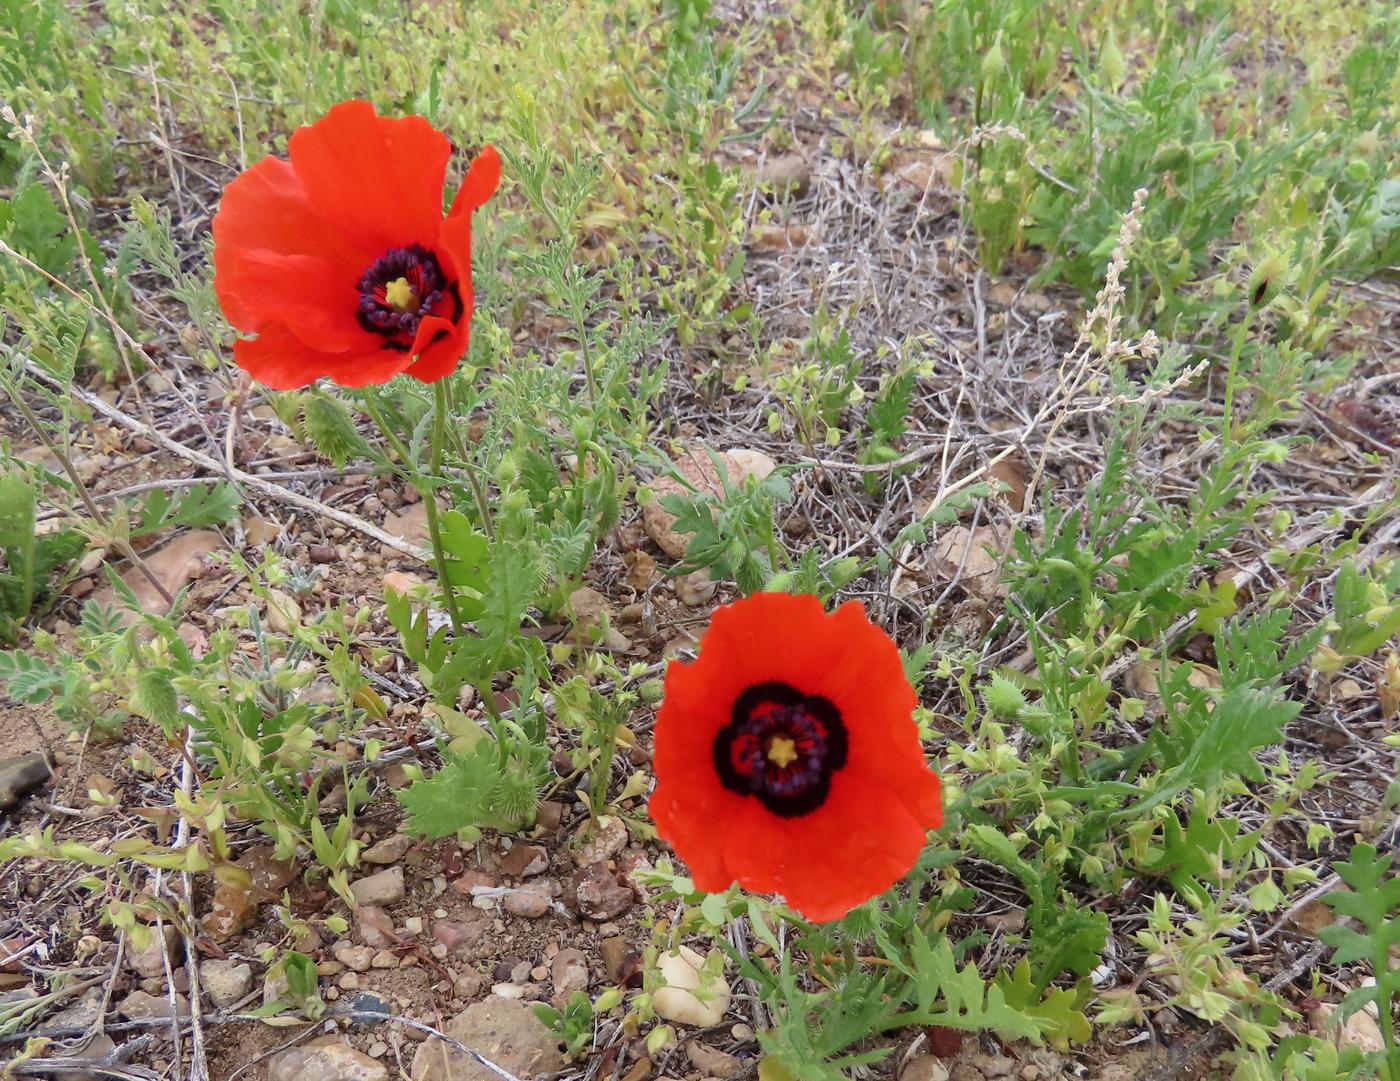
[451, 799]
[888, 414]
[33, 223]
[1374, 900]
[1199, 853]
[200, 506]
[18, 501]
[1243, 721]
[1058, 1011]
[1065, 939]
[512, 581]
[467, 554]
[29, 679]
[1375, 896]
[960, 998]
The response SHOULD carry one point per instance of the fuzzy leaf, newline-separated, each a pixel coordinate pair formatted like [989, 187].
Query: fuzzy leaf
[512, 580]
[1065, 939]
[17, 542]
[29, 679]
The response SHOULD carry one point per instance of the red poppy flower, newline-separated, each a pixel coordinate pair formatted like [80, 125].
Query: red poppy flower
[787, 758]
[340, 260]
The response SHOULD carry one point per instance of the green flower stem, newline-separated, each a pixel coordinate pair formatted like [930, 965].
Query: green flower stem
[424, 483]
[442, 405]
[581, 329]
[1232, 378]
[483, 506]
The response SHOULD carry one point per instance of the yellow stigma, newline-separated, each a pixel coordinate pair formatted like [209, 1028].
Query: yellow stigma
[399, 294]
[782, 752]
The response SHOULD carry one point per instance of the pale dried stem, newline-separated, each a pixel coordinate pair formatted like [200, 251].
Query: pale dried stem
[248, 480]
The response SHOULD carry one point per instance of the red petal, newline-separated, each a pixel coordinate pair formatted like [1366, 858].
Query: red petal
[437, 358]
[314, 298]
[768, 636]
[871, 828]
[689, 804]
[279, 359]
[266, 209]
[482, 179]
[868, 686]
[859, 843]
[454, 252]
[691, 809]
[378, 179]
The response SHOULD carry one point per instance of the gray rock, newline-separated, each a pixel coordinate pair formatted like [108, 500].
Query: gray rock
[381, 888]
[372, 1007]
[20, 775]
[390, 850]
[82, 1013]
[569, 972]
[98, 1049]
[139, 1006]
[225, 982]
[326, 1059]
[506, 1031]
[149, 963]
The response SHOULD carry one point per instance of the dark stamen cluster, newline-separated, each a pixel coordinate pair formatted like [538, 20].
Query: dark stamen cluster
[781, 747]
[417, 266]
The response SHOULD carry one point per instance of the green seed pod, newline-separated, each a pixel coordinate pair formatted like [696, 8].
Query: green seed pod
[1112, 66]
[514, 797]
[994, 61]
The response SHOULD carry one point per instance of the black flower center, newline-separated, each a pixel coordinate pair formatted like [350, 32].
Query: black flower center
[399, 289]
[781, 746]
